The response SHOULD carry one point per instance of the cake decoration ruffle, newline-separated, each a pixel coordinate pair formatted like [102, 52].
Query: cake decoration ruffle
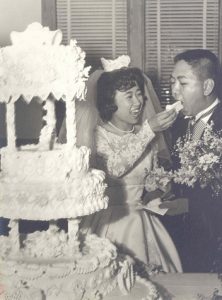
[36, 64]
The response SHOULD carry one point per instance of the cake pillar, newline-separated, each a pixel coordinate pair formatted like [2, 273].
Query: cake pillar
[14, 235]
[71, 123]
[73, 230]
[10, 119]
[47, 135]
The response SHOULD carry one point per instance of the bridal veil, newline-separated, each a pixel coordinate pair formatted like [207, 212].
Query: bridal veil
[87, 116]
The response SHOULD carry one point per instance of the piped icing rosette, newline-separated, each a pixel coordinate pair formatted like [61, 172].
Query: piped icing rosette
[46, 244]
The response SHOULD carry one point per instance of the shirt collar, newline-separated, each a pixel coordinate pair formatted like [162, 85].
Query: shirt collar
[203, 112]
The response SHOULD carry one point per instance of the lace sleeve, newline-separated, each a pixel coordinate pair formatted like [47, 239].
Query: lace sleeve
[117, 155]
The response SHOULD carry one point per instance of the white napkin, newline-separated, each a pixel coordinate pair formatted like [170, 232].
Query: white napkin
[153, 206]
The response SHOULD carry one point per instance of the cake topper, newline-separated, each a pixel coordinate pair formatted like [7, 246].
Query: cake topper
[36, 34]
[36, 64]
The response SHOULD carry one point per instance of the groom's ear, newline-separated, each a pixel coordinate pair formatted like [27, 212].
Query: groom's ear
[208, 86]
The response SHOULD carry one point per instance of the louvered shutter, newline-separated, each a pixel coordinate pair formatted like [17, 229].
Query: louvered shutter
[99, 26]
[172, 26]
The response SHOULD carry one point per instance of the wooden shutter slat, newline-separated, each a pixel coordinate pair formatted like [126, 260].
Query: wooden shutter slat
[91, 24]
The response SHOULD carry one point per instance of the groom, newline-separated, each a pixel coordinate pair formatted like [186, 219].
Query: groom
[196, 214]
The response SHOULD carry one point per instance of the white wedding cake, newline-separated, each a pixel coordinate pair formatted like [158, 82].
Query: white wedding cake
[48, 181]
[45, 181]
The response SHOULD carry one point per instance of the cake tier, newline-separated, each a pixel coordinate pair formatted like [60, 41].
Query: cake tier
[142, 290]
[91, 273]
[46, 185]
[33, 164]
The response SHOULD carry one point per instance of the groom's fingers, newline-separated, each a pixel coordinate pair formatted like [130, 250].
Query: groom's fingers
[171, 206]
[168, 204]
[177, 206]
[167, 196]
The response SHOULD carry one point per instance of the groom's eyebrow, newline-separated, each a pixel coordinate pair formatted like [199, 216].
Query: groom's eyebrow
[178, 77]
[181, 77]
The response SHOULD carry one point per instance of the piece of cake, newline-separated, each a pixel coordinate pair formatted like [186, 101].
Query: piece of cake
[49, 181]
[177, 106]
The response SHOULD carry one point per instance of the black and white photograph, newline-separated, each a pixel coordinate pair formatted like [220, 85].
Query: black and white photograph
[110, 149]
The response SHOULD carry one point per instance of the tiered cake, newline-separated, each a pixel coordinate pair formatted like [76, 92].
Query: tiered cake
[49, 181]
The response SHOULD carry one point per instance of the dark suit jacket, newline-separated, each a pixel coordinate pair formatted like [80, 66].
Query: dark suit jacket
[197, 234]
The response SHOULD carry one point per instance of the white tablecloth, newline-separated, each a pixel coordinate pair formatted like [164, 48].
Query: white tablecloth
[176, 287]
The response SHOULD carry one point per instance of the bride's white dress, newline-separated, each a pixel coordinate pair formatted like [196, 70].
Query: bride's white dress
[126, 159]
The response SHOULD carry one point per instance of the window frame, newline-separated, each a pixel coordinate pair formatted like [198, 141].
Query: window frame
[48, 13]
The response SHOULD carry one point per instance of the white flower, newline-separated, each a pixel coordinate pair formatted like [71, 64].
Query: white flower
[201, 162]
[208, 158]
[158, 178]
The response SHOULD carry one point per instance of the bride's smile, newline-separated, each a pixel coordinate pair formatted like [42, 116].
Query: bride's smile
[130, 104]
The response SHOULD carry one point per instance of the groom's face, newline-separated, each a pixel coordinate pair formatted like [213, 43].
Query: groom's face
[187, 88]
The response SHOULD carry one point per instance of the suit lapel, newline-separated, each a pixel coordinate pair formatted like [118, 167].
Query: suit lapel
[217, 117]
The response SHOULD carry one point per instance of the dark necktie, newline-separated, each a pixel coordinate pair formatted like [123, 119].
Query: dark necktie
[190, 128]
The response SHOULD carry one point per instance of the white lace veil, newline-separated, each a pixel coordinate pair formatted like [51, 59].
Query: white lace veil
[87, 116]
[151, 107]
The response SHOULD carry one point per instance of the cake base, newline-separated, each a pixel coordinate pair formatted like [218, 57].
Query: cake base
[140, 291]
[48, 268]
[170, 287]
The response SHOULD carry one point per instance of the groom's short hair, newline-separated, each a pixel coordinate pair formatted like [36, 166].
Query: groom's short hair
[204, 63]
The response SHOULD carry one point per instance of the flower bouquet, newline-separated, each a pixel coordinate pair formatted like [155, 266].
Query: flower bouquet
[200, 163]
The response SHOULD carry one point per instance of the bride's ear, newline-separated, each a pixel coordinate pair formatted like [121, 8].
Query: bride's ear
[208, 86]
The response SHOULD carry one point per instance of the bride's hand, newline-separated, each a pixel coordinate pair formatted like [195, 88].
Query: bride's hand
[163, 120]
[149, 196]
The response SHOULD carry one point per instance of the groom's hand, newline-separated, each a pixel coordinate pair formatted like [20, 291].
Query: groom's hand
[163, 120]
[176, 207]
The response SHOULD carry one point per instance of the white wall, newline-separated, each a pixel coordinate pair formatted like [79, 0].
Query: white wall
[16, 15]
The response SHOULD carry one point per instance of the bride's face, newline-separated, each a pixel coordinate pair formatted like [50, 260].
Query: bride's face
[130, 105]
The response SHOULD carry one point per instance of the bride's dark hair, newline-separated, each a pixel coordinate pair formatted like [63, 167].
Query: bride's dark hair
[109, 82]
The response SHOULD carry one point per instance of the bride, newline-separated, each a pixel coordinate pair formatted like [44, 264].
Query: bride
[126, 150]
